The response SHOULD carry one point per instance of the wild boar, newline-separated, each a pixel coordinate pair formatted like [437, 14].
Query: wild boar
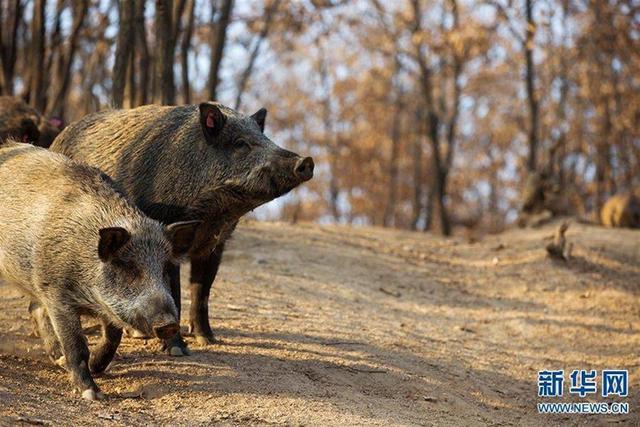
[542, 199]
[195, 162]
[21, 122]
[75, 246]
[621, 210]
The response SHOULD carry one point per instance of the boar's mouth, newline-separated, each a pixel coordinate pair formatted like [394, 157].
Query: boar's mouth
[257, 190]
[280, 189]
[286, 176]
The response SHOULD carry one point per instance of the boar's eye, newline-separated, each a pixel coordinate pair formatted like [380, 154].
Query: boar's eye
[243, 144]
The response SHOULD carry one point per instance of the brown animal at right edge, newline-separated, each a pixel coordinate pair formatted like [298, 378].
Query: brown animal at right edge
[196, 162]
[621, 210]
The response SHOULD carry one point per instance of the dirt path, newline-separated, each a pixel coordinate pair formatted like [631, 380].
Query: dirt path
[338, 326]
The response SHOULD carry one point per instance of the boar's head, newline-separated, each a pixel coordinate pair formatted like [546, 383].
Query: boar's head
[136, 266]
[250, 167]
[48, 129]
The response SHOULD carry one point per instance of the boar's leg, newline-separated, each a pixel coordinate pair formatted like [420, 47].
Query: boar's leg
[103, 354]
[46, 332]
[66, 324]
[203, 272]
[175, 346]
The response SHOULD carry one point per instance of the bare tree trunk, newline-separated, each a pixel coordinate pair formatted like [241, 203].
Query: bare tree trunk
[55, 47]
[396, 132]
[178, 10]
[417, 173]
[604, 172]
[123, 52]
[217, 46]
[494, 183]
[440, 188]
[531, 91]
[428, 209]
[562, 102]
[244, 79]
[186, 45]
[37, 84]
[131, 88]
[164, 52]
[330, 139]
[2, 47]
[57, 104]
[442, 170]
[334, 189]
[142, 45]
[8, 44]
[432, 125]
[3, 25]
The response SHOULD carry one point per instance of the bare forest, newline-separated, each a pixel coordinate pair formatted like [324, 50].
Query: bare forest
[460, 185]
[424, 115]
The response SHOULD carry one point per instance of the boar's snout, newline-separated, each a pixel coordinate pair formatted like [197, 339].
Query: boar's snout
[303, 168]
[166, 331]
[161, 317]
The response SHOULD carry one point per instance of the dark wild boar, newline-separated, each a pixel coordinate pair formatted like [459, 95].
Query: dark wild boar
[21, 122]
[542, 199]
[196, 162]
[75, 246]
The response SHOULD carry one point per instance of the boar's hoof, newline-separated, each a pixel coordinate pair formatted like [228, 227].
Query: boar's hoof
[90, 394]
[206, 340]
[178, 351]
[61, 361]
[175, 346]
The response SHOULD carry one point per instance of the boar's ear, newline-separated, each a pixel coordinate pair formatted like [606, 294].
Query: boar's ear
[181, 235]
[260, 116]
[212, 120]
[56, 122]
[112, 239]
[30, 132]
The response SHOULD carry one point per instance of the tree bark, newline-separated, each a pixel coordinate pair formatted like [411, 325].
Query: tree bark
[432, 125]
[165, 52]
[185, 46]
[37, 85]
[531, 91]
[123, 52]
[55, 47]
[396, 132]
[330, 138]
[178, 11]
[143, 47]
[8, 45]
[57, 104]
[417, 182]
[131, 87]
[218, 39]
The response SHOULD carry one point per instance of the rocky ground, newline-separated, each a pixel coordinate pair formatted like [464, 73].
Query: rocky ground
[327, 325]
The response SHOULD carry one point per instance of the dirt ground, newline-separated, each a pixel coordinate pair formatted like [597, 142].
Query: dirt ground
[328, 325]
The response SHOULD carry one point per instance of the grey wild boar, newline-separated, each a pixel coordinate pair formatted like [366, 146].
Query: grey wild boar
[621, 210]
[21, 122]
[542, 199]
[196, 162]
[75, 246]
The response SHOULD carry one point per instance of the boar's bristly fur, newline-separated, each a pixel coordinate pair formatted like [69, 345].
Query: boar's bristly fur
[621, 210]
[72, 243]
[195, 162]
